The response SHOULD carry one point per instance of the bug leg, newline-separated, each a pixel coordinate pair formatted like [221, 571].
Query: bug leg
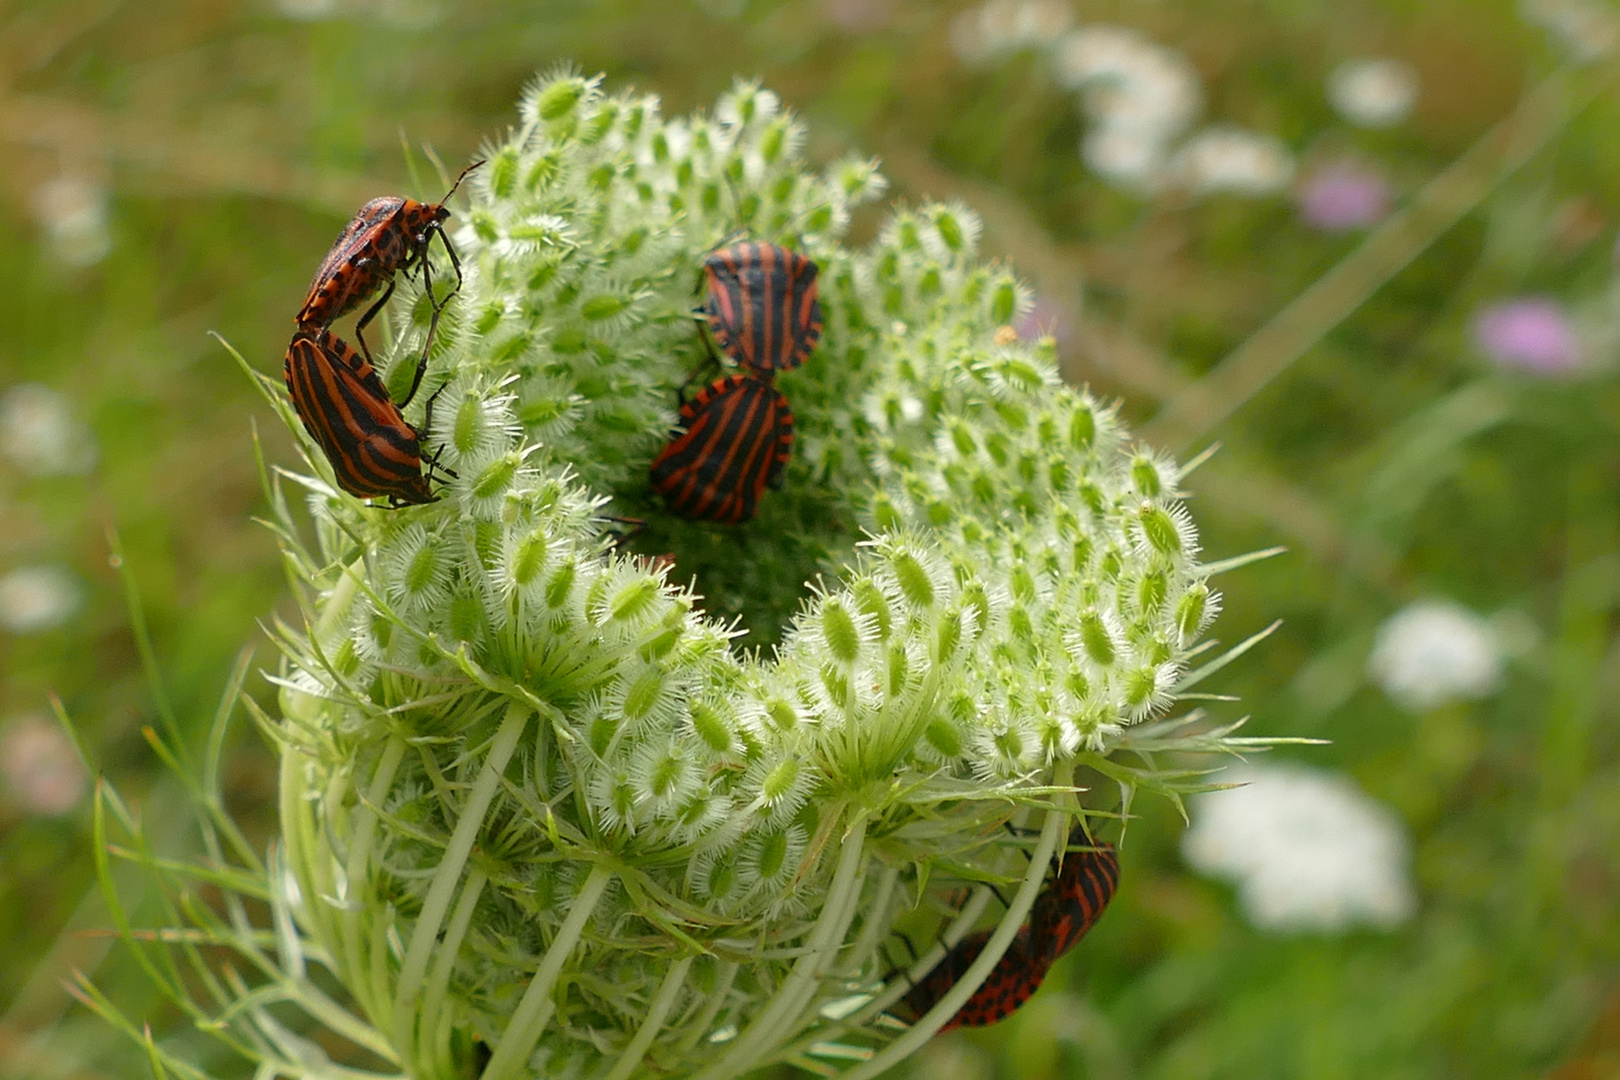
[433, 326]
[365, 321]
[710, 364]
[427, 414]
[427, 426]
[630, 528]
[899, 969]
[450, 250]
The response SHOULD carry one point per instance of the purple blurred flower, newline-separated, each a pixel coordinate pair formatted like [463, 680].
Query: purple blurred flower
[1343, 196]
[1046, 317]
[1529, 334]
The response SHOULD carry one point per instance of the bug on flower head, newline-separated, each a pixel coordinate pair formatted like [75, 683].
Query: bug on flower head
[388, 235]
[736, 437]
[346, 410]
[763, 306]
[1066, 907]
[1016, 976]
[1073, 901]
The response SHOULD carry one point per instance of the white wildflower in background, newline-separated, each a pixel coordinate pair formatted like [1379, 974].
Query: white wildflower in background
[34, 599]
[39, 433]
[1139, 96]
[73, 210]
[1376, 93]
[1307, 849]
[42, 772]
[1586, 30]
[1226, 158]
[1433, 652]
[995, 27]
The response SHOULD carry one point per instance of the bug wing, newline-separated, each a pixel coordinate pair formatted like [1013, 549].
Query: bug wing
[723, 308]
[1068, 907]
[738, 434]
[336, 289]
[373, 452]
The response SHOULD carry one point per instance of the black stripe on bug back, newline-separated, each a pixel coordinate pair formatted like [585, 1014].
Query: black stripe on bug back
[1014, 979]
[345, 408]
[735, 441]
[764, 305]
[1075, 899]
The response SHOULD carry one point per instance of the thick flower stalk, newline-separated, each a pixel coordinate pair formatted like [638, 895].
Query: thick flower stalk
[541, 815]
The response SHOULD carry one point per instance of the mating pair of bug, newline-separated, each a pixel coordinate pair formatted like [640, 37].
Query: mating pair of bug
[737, 432]
[1067, 907]
[335, 389]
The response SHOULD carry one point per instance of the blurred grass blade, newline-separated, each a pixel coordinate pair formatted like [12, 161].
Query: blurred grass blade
[143, 646]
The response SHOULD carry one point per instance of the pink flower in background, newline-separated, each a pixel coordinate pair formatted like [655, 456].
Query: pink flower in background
[1342, 197]
[42, 771]
[1530, 334]
[1046, 317]
[856, 16]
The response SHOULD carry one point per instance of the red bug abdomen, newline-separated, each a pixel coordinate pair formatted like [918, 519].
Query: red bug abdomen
[343, 406]
[737, 440]
[353, 269]
[1075, 899]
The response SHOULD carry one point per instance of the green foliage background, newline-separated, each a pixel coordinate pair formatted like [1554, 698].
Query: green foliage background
[236, 141]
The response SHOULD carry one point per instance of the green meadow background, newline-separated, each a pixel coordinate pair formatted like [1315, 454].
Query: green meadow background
[1364, 431]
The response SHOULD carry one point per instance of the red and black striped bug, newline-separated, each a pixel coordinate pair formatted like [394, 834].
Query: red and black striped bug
[1016, 976]
[763, 306]
[736, 439]
[1073, 901]
[1066, 907]
[388, 235]
[347, 411]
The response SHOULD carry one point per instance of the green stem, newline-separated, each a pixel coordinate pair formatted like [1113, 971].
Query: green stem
[528, 1023]
[374, 996]
[668, 991]
[877, 920]
[955, 931]
[1052, 832]
[444, 965]
[448, 876]
[725, 974]
[781, 1013]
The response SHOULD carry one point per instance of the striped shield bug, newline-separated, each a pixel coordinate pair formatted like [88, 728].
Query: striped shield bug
[1066, 907]
[1075, 897]
[346, 410]
[763, 306]
[736, 437]
[1016, 976]
[388, 235]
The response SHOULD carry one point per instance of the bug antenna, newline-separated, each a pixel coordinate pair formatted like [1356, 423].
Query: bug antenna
[460, 178]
